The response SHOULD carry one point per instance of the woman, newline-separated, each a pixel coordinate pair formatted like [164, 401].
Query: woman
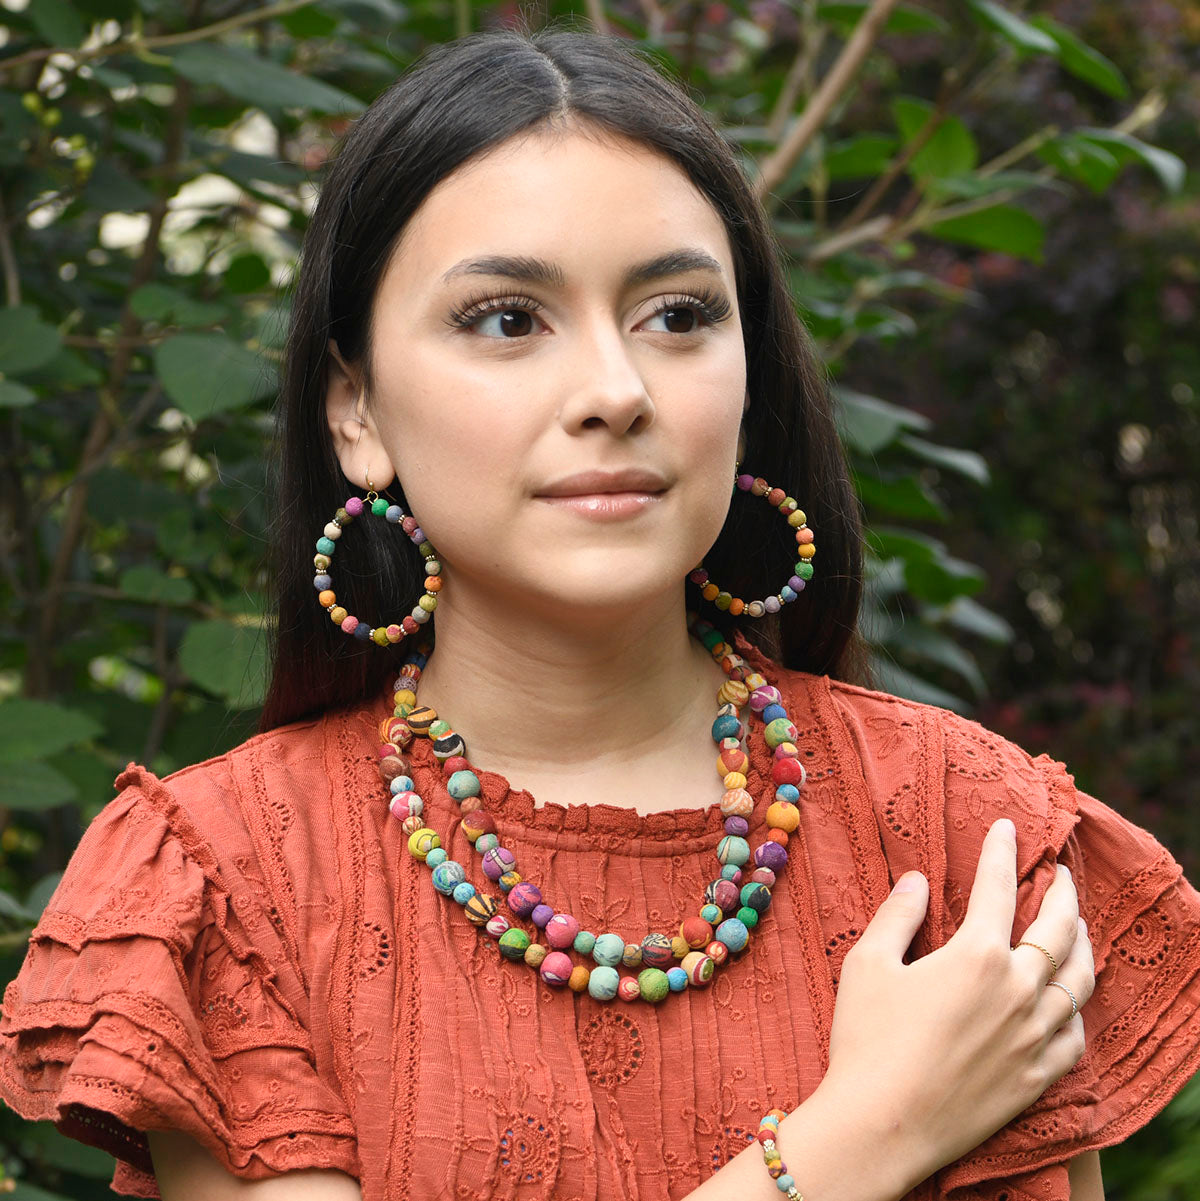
[539, 309]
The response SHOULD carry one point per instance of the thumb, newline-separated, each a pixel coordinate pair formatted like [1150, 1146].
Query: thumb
[896, 922]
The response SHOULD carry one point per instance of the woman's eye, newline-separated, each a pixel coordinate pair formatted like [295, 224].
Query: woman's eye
[678, 318]
[505, 323]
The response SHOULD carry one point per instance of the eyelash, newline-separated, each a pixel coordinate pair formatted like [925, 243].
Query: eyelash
[711, 305]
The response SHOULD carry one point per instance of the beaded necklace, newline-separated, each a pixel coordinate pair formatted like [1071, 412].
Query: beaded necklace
[732, 905]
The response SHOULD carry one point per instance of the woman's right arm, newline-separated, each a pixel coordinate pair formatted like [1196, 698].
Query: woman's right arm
[185, 1171]
[928, 1059]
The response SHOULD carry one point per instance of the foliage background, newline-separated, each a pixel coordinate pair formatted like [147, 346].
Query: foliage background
[992, 237]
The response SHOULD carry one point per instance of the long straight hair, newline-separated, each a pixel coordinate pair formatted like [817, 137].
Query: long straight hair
[459, 100]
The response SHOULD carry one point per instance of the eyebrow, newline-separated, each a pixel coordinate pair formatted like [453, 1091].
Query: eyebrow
[539, 271]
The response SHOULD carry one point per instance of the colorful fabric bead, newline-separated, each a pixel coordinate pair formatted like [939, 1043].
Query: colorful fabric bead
[768, 1138]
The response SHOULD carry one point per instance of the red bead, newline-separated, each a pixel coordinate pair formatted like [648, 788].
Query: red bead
[391, 767]
[629, 989]
[779, 836]
[776, 497]
[787, 771]
[387, 749]
[717, 951]
[455, 763]
[695, 931]
[410, 625]
[734, 761]
[768, 1134]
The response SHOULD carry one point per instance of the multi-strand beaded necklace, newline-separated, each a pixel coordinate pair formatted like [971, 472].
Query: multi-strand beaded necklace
[732, 905]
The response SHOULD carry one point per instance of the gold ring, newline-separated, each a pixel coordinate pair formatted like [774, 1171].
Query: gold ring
[1038, 946]
[1074, 1003]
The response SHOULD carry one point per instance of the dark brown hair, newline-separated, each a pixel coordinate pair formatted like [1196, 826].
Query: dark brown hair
[459, 100]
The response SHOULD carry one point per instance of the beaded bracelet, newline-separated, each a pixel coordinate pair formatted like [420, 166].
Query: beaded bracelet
[768, 1135]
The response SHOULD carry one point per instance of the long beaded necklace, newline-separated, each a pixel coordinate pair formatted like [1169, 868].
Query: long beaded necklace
[732, 905]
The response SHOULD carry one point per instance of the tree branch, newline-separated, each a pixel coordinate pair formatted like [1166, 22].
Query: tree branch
[777, 165]
[140, 44]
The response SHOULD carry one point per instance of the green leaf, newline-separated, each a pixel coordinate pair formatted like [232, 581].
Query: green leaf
[15, 396]
[905, 497]
[1081, 160]
[247, 273]
[1082, 60]
[921, 642]
[161, 302]
[41, 892]
[863, 156]
[309, 22]
[904, 18]
[34, 786]
[26, 341]
[227, 660]
[970, 187]
[149, 584]
[943, 579]
[259, 80]
[1012, 28]
[58, 22]
[34, 729]
[869, 424]
[893, 678]
[951, 149]
[964, 462]
[111, 190]
[1125, 148]
[14, 910]
[1002, 227]
[210, 373]
[29, 1192]
[966, 614]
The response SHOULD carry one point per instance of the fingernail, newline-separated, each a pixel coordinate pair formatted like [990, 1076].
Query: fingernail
[909, 882]
[1082, 928]
[1006, 824]
[1064, 870]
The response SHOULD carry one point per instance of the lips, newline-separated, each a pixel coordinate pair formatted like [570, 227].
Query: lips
[601, 483]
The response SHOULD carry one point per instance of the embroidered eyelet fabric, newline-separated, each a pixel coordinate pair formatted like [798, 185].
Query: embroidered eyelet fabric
[246, 952]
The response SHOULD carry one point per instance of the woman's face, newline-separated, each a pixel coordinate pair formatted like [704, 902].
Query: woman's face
[558, 373]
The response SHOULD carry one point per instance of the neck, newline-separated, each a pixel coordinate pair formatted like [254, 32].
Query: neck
[530, 695]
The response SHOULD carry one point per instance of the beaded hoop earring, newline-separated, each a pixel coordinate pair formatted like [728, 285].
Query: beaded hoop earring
[323, 582]
[802, 571]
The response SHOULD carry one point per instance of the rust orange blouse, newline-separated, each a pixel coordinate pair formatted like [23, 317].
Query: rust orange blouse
[245, 951]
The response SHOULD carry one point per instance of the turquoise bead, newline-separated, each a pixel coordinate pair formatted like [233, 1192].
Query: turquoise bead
[785, 1182]
[602, 983]
[711, 913]
[677, 979]
[608, 950]
[326, 546]
[436, 856]
[734, 850]
[448, 876]
[786, 594]
[585, 940]
[733, 933]
[729, 871]
[787, 792]
[463, 892]
[463, 784]
[726, 726]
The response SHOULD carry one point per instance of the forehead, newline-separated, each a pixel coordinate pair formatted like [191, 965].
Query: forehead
[583, 197]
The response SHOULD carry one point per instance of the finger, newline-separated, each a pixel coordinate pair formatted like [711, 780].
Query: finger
[896, 922]
[1078, 972]
[1052, 934]
[1066, 1048]
[993, 902]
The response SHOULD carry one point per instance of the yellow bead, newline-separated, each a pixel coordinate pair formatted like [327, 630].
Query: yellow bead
[379, 636]
[535, 953]
[423, 840]
[733, 692]
[405, 696]
[781, 815]
[679, 946]
[797, 519]
[428, 603]
[806, 550]
[788, 748]
[735, 779]
[754, 680]
[709, 592]
[337, 615]
[577, 981]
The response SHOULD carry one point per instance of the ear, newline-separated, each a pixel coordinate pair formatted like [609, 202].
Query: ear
[356, 439]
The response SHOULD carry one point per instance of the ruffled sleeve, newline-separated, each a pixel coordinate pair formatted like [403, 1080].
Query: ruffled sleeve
[1143, 1021]
[156, 994]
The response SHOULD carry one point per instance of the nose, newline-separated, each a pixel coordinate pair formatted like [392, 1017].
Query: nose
[607, 390]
